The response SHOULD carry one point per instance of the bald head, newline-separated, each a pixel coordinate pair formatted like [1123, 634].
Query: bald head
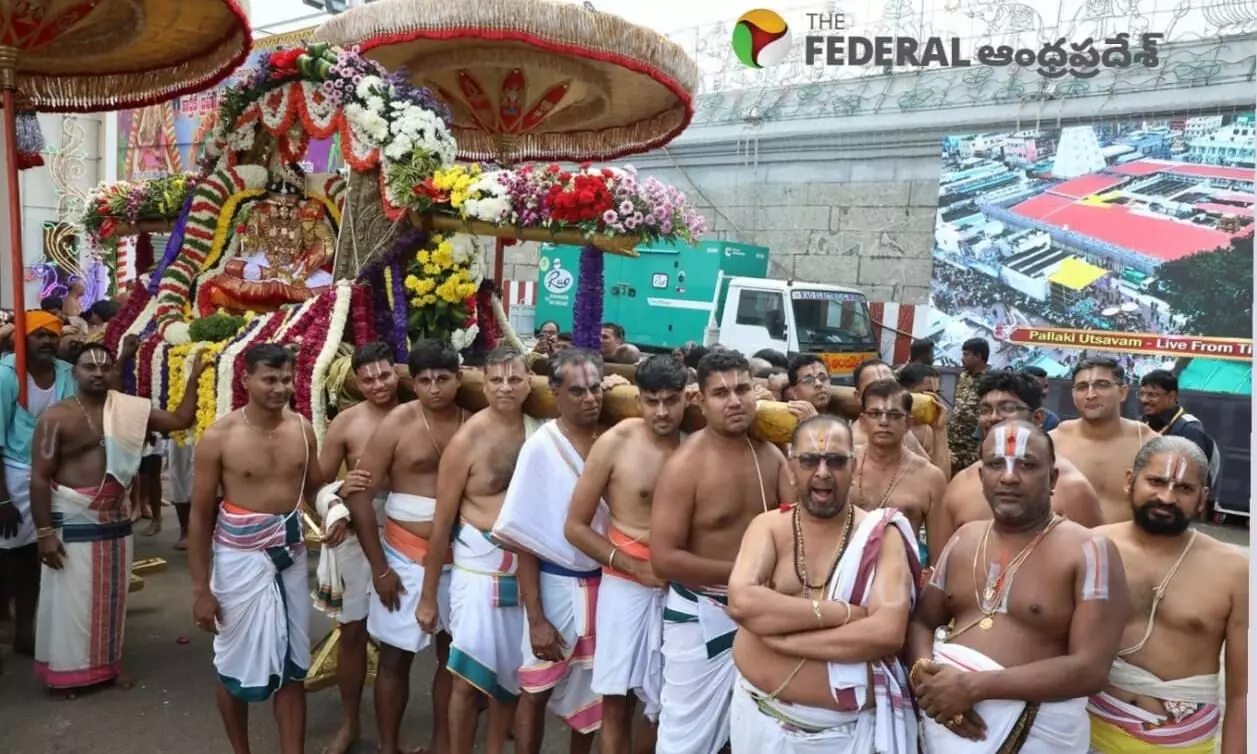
[820, 425]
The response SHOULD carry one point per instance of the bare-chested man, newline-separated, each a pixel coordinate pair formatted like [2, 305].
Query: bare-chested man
[401, 462]
[264, 458]
[821, 596]
[558, 583]
[485, 620]
[622, 469]
[1100, 442]
[875, 370]
[1021, 618]
[1190, 598]
[886, 475]
[1004, 395]
[708, 492]
[347, 601]
[87, 449]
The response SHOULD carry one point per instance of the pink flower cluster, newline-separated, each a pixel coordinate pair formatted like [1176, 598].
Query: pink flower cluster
[646, 207]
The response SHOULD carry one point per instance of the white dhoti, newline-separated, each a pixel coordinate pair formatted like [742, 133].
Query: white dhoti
[17, 477]
[406, 553]
[698, 672]
[179, 460]
[629, 654]
[82, 606]
[486, 620]
[761, 725]
[260, 581]
[1046, 728]
[344, 588]
[570, 602]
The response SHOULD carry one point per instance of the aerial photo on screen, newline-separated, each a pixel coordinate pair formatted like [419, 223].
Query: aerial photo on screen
[1130, 239]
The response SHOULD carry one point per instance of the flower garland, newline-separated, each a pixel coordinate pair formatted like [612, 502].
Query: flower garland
[398, 309]
[206, 389]
[175, 358]
[138, 300]
[225, 368]
[362, 315]
[587, 311]
[173, 244]
[330, 340]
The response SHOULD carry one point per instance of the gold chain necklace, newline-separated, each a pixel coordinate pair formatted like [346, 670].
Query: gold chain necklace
[988, 601]
[900, 467]
[90, 424]
[800, 555]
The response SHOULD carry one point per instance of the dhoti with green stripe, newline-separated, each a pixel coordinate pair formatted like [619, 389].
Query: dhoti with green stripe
[486, 621]
[698, 671]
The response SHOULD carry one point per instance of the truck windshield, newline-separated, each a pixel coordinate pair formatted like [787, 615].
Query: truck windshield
[826, 319]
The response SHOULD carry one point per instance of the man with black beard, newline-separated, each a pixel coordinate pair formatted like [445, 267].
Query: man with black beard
[1190, 598]
[821, 592]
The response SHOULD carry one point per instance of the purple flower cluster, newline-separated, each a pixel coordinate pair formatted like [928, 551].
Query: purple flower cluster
[587, 311]
[651, 208]
[347, 72]
[527, 189]
[403, 90]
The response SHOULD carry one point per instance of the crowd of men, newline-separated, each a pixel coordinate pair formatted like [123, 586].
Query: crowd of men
[854, 590]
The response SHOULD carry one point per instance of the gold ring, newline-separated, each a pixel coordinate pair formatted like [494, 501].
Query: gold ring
[956, 720]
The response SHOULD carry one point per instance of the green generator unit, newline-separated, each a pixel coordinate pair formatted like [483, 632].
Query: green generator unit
[662, 299]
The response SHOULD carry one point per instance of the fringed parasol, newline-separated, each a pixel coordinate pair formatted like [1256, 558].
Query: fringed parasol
[532, 80]
[94, 55]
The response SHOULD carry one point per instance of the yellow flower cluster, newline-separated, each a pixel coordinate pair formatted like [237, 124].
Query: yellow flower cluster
[444, 279]
[206, 387]
[456, 180]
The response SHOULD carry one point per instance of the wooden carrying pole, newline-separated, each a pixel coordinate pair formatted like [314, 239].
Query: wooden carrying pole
[8, 90]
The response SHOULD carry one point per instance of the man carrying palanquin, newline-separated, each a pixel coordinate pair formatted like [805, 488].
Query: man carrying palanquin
[486, 623]
[87, 450]
[1190, 597]
[282, 251]
[265, 460]
[875, 370]
[344, 575]
[1100, 442]
[48, 380]
[822, 595]
[558, 584]
[1004, 395]
[403, 455]
[887, 475]
[1021, 618]
[622, 469]
[707, 494]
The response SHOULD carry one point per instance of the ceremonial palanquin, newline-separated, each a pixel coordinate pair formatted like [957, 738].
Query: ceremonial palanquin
[259, 250]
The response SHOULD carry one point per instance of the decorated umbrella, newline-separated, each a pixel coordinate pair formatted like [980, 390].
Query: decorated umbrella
[80, 56]
[533, 80]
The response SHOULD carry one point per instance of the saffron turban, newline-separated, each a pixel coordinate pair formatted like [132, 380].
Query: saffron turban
[42, 320]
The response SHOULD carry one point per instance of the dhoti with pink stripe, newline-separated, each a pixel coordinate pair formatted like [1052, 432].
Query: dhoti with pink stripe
[570, 601]
[83, 606]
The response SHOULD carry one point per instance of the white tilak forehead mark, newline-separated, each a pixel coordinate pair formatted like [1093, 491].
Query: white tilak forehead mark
[585, 375]
[374, 370]
[1019, 442]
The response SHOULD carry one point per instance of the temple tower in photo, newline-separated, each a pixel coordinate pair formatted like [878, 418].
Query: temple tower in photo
[1078, 153]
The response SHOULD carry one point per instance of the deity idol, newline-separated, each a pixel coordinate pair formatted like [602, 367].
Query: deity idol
[281, 253]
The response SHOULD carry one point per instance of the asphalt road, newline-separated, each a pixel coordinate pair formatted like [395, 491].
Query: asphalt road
[171, 709]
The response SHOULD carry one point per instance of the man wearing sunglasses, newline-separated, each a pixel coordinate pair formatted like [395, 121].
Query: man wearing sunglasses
[1005, 395]
[818, 629]
[886, 475]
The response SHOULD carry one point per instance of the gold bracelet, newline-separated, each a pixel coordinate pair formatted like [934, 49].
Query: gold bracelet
[45, 532]
[387, 571]
[611, 558]
[848, 618]
[816, 610]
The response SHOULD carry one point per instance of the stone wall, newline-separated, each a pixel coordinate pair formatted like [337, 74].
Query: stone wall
[863, 224]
